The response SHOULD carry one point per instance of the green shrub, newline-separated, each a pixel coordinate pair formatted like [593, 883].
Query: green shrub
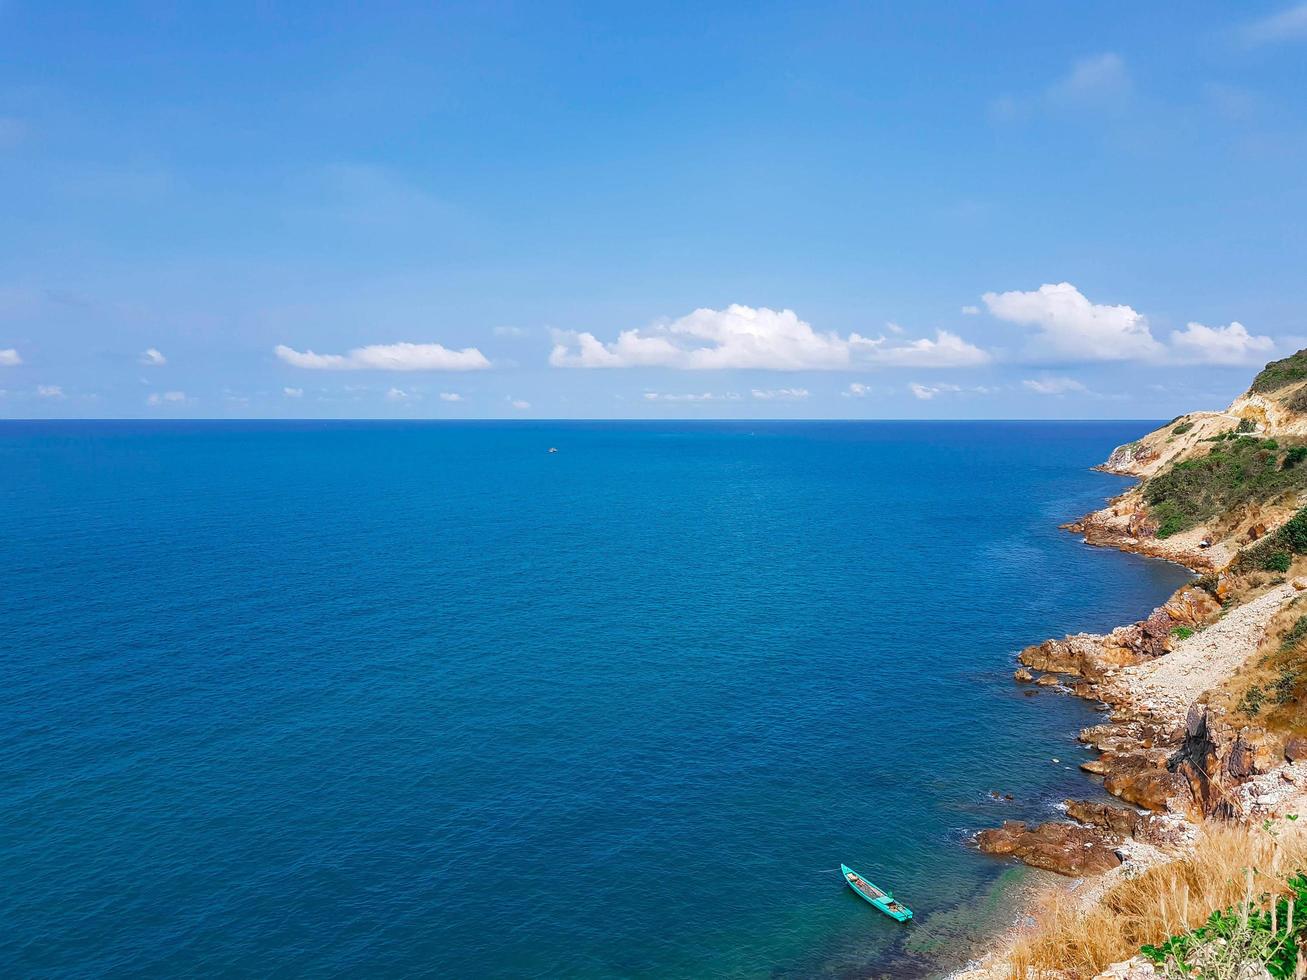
[1182, 428]
[1251, 702]
[1285, 684]
[1293, 534]
[1171, 524]
[1294, 456]
[1234, 941]
[1246, 425]
[1277, 561]
[1182, 632]
[1280, 373]
[1297, 633]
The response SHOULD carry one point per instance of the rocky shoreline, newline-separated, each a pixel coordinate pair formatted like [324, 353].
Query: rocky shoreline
[1167, 751]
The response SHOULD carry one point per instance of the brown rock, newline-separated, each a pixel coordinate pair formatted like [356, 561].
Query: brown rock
[1214, 757]
[1119, 820]
[1296, 749]
[1223, 586]
[1066, 848]
[1251, 753]
[1191, 607]
[1257, 531]
[1049, 680]
[1136, 778]
[1085, 689]
[1023, 675]
[1092, 657]
[1001, 840]
[1099, 736]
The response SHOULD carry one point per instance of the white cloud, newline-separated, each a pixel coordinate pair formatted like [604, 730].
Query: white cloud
[742, 337]
[399, 395]
[510, 331]
[1099, 79]
[450, 396]
[1053, 386]
[9, 358]
[970, 310]
[168, 397]
[1287, 25]
[153, 357]
[1230, 344]
[927, 392]
[520, 404]
[388, 357]
[946, 350]
[1099, 82]
[737, 337]
[293, 392]
[50, 391]
[656, 396]
[856, 389]
[780, 394]
[1072, 327]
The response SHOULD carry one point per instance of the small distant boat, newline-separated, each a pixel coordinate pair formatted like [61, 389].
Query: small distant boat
[553, 449]
[882, 900]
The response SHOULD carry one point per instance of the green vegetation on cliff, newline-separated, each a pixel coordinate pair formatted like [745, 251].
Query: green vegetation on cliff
[1280, 373]
[1275, 553]
[1238, 470]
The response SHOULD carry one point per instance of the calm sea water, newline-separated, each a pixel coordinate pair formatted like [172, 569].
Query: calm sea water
[424, 700]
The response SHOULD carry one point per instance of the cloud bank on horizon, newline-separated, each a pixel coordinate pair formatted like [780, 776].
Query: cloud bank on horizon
[744, 338]
[1068, 328]
[388, 357]
[1064, 328]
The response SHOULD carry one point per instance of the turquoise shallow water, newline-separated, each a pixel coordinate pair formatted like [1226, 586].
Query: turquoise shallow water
[404, 699]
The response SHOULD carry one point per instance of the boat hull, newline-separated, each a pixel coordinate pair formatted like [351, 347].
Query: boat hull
[884, 902]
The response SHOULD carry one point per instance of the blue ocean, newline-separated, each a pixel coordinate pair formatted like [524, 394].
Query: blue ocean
[409, 699]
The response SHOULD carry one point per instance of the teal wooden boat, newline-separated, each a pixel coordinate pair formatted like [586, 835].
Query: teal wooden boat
[882, 900]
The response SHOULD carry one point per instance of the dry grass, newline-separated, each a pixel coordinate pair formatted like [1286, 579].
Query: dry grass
[1069, 941]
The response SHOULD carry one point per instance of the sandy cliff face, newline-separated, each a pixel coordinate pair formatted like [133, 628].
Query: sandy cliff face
[1130, 524]
[1278, 413]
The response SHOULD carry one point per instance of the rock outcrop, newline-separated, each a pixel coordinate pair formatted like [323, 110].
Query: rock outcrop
[1102, 836]
[1120, 820]
[1092, 656]
[1215, 757]
[1066, 848]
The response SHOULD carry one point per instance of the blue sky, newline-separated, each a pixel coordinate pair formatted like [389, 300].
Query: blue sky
[662, 210]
